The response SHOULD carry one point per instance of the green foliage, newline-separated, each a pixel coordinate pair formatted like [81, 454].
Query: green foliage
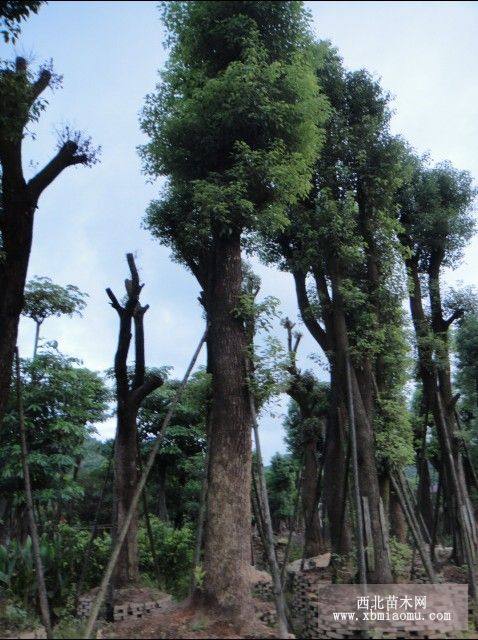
[307, 421]
[44, 299]
[179, 464]
[400, 558]
[281, 479]
[12, 13]
[466, 379]
[236, 129]
[61, 401]
[436, 212]
[62, 554]
[15, 618]
[174, 548]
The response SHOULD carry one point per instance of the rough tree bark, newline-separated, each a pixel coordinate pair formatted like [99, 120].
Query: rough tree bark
[19, 201]
[228, 526]
[129, 395]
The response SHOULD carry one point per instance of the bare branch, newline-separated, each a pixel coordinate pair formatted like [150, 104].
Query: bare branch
[456, 315]
[67, 156]
[150, 385]
[298, 338]
[114, 301]
[41, 84]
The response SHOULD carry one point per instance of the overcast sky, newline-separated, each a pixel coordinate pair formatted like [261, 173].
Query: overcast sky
[109, 53]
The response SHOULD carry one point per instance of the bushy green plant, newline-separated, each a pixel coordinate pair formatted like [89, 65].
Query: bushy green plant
[63, 555]
[174, 550]
[400, 558]
[13, 617]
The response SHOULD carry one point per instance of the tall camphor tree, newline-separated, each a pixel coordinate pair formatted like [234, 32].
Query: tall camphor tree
[21, 105]
[234, 125]
[436, 218]
[44, 299]
[340, 250]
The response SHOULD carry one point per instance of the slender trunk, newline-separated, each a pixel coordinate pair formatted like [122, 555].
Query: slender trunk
[313, 542]
[129, 396]
[37, 339]
[40, 577]
[227, 549]
[106, 579]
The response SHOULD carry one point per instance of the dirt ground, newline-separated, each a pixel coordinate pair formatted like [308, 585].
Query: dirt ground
[182, 620]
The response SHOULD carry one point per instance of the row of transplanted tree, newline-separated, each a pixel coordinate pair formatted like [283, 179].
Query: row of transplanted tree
[271, 147]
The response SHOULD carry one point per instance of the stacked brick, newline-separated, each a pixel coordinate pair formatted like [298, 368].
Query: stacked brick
[124, 610]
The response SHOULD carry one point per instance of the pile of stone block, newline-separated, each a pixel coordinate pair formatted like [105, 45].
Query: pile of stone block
[123, 610]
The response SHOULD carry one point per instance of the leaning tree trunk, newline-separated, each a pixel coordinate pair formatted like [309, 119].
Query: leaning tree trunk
[228, 526]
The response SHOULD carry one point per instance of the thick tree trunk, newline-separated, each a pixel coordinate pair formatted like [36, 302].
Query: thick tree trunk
[227, 534]
[126, 479]
[16, 230]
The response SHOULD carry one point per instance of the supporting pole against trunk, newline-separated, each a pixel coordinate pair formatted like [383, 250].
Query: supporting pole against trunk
[95, 609]
[258, 511]
[269, 535]
[414, 528]
[355, 476]
[412, 505]
[40, 576]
